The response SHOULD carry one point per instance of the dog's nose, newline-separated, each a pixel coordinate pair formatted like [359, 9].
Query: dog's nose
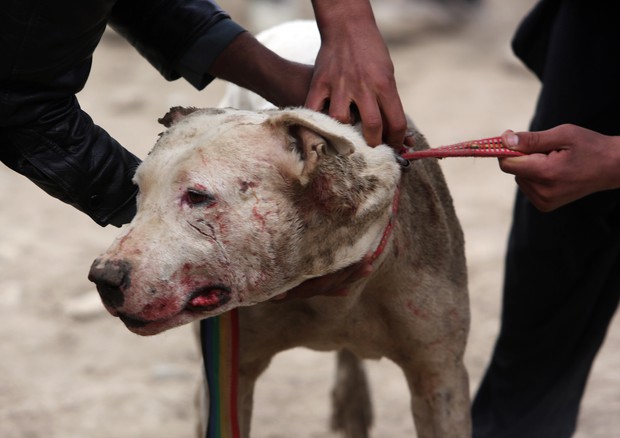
[111, 278]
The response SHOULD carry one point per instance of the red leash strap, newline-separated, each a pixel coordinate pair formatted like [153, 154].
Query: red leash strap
[486, 147]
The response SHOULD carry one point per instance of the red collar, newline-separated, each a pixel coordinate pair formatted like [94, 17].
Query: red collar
[387, 232]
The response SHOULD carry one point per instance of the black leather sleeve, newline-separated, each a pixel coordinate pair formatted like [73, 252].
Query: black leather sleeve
[179, 38]
[74, 160]
[46, 50]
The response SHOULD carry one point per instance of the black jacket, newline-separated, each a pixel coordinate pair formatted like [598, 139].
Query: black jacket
[573, 46]
[45, 57]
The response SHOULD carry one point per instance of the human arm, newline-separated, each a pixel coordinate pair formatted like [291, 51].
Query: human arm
[45, 135]
[249, 64]
[353, 67]
[50, 140]
[563, 164]
[197, 40]
[63, 152]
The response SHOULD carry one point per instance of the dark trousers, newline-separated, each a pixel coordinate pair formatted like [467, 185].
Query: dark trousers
[562, 286]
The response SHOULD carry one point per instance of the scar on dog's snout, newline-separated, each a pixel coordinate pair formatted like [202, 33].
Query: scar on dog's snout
[111, 278]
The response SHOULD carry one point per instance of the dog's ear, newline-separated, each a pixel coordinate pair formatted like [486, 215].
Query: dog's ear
[316, 134]
[175, 114]
[322, 175]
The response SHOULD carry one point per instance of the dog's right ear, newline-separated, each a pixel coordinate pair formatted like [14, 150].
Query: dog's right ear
[315, 136]
[312, 148]
[338, 139]
[175, 114]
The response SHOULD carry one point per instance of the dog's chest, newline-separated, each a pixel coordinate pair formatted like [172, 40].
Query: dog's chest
[321, 323]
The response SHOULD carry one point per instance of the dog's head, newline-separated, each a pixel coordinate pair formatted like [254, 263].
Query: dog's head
[236, 207]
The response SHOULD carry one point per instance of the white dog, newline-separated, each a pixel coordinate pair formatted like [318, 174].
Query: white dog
[237, 207]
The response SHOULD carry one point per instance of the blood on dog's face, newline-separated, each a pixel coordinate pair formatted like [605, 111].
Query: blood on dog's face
[233, 210]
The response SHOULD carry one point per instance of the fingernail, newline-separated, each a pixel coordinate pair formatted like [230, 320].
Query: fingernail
[512, 140]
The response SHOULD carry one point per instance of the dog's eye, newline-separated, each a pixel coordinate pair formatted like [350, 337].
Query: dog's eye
[195, 197]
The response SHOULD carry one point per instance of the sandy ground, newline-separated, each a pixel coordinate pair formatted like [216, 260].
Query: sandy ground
[69, 370]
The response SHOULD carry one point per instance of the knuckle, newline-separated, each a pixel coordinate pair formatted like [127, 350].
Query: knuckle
[533, 140]
[399, 127]
[341, 115]
[568, 129]
[372, 119]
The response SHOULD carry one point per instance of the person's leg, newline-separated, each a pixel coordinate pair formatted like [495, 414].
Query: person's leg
[561, 289]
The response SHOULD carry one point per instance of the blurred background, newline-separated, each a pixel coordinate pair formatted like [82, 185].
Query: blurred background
[69, 370]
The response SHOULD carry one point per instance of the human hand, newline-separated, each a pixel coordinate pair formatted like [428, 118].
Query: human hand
[335, 284]
[562, 164]
[354, 73]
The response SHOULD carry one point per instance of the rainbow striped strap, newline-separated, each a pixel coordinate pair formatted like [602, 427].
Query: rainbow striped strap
[219, 338]
[486, 147]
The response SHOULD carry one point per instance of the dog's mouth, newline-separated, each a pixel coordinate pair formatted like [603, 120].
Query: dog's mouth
[201, 300]
[208, 298]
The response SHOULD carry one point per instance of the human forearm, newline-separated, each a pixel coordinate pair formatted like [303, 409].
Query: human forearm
[339, 19]
[251, 65]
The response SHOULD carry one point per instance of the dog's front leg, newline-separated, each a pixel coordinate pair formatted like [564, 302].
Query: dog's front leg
[440, 395]
[248, 374]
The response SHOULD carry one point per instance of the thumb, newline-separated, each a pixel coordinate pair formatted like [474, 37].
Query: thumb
[531, 142]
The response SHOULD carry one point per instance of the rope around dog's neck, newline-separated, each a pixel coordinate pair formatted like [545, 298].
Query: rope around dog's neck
[492, 147]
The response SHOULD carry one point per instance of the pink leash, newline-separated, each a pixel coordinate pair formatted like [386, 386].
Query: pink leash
[487, 147]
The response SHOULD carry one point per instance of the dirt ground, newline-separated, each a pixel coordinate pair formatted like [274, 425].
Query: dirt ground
[69, 370]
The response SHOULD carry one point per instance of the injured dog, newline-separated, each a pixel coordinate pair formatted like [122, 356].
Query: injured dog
[236, 207]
